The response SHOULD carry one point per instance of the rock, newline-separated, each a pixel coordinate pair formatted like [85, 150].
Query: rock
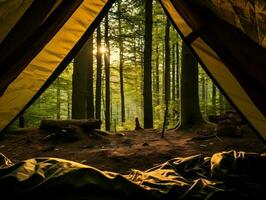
[145, 144]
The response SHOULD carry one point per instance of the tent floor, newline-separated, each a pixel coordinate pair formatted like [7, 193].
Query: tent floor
[141, 149]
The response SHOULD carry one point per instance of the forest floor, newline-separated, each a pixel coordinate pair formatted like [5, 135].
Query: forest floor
[140, 149]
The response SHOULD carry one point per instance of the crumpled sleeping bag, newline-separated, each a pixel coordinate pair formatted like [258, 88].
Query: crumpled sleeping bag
[232, 175]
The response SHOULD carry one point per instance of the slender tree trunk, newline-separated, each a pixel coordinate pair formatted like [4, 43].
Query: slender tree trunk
[58, 102]
[107, 75]
[177, 70]
[163, 74]
[68, 104]
[157, 76]
[121, 48]
[190, 110]
[214, 98]
[221, 102]
[203, 93]
[173, 73]
[136, 81]
[21, 121]
[90, 99]
[167, 63]
[147, 92]
[99, 75]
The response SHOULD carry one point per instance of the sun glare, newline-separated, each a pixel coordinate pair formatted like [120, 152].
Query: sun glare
[103, 49]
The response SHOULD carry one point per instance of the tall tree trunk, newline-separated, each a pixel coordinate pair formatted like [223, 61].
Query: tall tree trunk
[58, 101]
[21, 121]
[167, 63]
[190, 110]
[157, 77]
[147, 92]
[121, 48]
[206, 97]
[99, 75]
[163, 74]
[177, 70]
[90, 99]
[173, 73]
[107, 75]
[203, 93]
[136, 81]
[221, 102]
[214, 98]
[80, 83]
[68, 104]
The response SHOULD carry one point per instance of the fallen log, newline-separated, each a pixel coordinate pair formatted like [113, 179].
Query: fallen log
[85, 124]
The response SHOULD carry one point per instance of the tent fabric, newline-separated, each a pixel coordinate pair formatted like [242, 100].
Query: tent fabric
[38, 58]
[232, 174]
[231, 53]
[32, 31]
[227, 37]
[247, 15]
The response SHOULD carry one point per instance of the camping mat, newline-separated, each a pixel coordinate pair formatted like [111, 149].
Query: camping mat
[232, 175]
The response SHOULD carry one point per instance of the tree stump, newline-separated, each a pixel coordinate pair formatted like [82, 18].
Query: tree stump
[137, 124]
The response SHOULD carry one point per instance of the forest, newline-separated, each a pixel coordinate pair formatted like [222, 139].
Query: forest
[135, 65]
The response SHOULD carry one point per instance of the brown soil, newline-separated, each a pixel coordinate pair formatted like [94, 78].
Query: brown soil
[136, 149]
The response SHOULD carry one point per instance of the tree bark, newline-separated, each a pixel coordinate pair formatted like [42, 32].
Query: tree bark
[203, 92]
[107, 75]
[58, 101]
[90, 99]
[214, 99]
[221, 102]
[157, 75]
[177, 71]
[99, 76]
[173, 81]
[21, 121]
[147, 92]
[79, 84]
[121, 63]
[68, 104]
[190, 110]
[167, 63]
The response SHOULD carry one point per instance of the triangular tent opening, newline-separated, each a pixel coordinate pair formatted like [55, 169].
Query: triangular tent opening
[39, 38]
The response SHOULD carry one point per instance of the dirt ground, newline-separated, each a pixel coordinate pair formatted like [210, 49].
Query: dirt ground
[141, 149]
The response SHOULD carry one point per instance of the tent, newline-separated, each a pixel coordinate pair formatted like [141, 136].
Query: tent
[39, 38]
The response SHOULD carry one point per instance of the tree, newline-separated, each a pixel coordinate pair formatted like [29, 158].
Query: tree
[90, 103]
[58, 101]
[221, 102]
[177, 70]
[213, 98]
[121, 63]
[157, 76]
[99, 75]
[190, 111]
[173, 73]
[147, 92]
[167, 63]
[80, 83]
[107, 74]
